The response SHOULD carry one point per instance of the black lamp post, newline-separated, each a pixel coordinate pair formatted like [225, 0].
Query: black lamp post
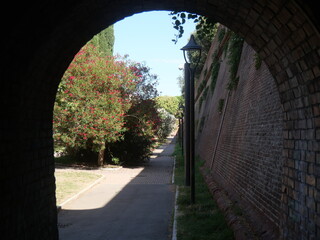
[181, 127]
[192, 54]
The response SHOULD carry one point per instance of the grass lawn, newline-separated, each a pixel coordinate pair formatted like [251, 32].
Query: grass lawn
[69, 183]
[202, 220]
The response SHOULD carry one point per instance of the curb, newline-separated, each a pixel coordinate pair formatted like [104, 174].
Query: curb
[175, 213]
[111, 169]
[173, 170]
[174, 230]
[60, 207]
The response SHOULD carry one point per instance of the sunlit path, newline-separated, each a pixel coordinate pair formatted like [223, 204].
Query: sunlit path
[131, 203]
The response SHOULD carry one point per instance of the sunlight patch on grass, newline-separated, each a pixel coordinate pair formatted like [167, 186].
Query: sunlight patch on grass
[69, 183]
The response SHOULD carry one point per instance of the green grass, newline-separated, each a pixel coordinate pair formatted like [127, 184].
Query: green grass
[202, 220]
[69, 183]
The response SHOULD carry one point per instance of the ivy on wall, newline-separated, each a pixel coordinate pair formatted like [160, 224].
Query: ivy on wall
[257, 61]
[220, 105]
[201, 124]
[234, 56]
[203, 97]
[214, 74]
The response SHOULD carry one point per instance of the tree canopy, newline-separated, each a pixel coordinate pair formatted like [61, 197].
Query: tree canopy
[92, 100]
[104, 41]
[170, 104]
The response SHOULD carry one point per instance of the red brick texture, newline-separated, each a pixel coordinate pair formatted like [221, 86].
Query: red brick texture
[41, 38]
[248, 159]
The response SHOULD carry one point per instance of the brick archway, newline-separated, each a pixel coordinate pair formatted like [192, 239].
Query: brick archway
[40, 41]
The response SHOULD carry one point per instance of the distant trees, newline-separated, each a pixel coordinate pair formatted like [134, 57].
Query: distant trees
[170, 103]
[168, 123]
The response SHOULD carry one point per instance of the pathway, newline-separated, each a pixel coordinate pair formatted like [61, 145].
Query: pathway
[129, 204]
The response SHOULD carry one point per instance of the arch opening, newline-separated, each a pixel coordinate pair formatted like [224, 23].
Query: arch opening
[283, 35]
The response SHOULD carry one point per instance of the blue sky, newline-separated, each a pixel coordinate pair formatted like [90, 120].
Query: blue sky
[146, 37]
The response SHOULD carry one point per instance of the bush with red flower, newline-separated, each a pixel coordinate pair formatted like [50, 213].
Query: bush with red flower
[105, 108]
[142, 120]
[92, 100]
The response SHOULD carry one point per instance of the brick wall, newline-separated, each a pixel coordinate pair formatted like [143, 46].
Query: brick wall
[248, 156]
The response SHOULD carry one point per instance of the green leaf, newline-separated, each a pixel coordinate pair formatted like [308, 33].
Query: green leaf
[192, 16]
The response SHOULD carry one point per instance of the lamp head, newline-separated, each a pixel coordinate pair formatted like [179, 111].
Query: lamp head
[191, 45]
[192, 48]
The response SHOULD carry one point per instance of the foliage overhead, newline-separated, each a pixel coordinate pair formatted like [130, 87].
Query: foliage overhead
[206, 29]
[205, 26]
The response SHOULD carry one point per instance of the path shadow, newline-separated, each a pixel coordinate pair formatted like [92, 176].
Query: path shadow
[140, 210]
[85, 166]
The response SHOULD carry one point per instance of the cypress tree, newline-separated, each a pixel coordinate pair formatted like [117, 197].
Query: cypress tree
[104, 41]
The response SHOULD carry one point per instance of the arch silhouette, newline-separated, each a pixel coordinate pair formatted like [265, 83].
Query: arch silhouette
[40, 40]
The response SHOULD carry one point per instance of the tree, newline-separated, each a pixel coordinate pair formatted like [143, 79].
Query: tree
[146, 87]
[168, 123]
[142, 124]
[169, 103]
[180, 80]
[92, 100]
[142, 120]
[104, 41]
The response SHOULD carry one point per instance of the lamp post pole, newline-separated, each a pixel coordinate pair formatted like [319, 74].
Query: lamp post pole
[192, 147]
[190, 68]
[181, 128]
[182, 134]
[187, 123]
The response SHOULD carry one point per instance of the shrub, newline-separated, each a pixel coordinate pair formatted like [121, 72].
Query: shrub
[142, 124]
[168, 123]
[91, 102]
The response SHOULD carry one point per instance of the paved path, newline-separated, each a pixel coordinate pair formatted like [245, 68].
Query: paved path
[129, 204]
